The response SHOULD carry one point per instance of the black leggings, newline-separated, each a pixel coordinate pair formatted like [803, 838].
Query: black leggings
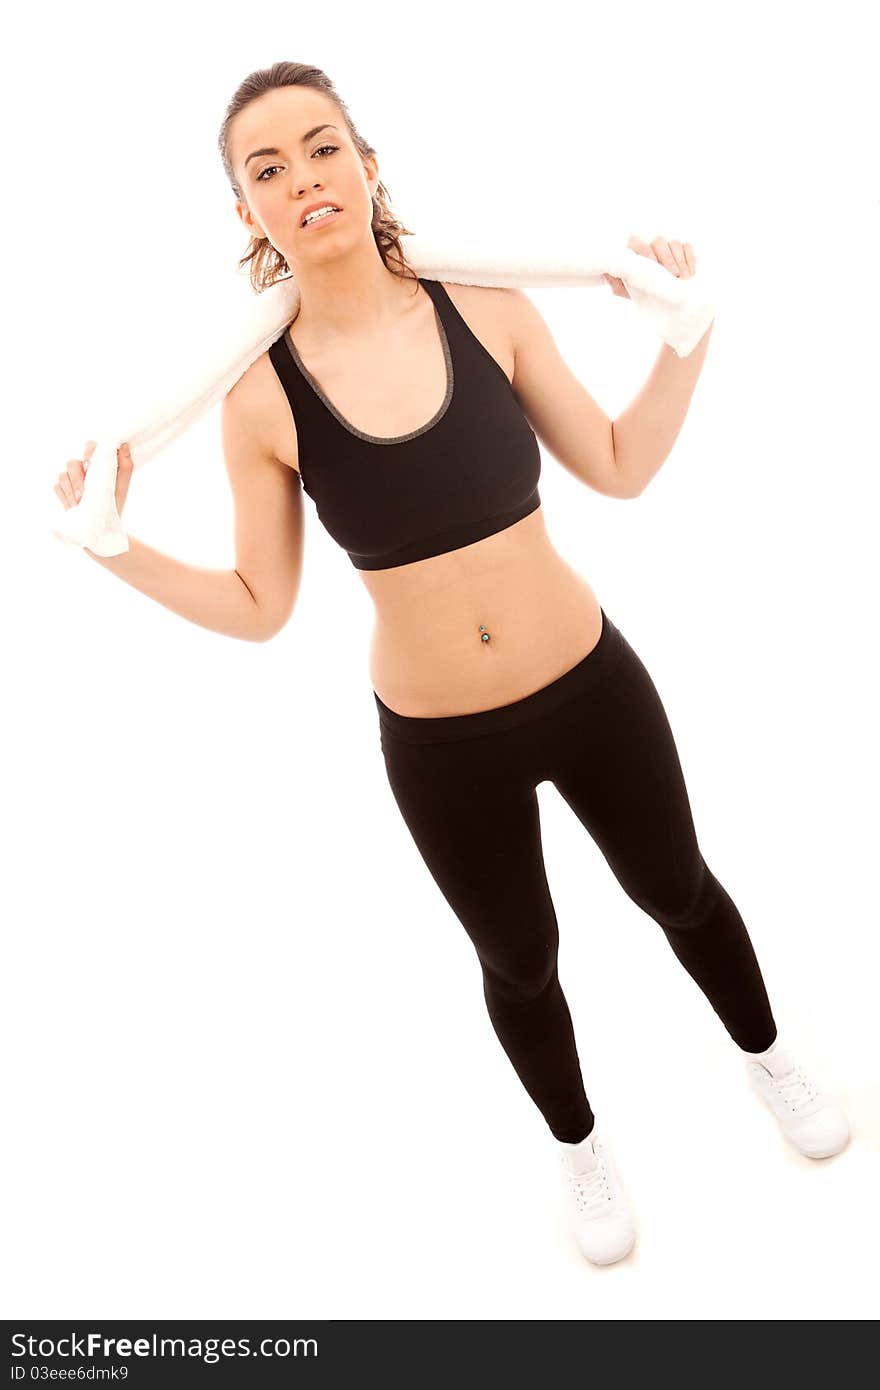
[465, 785]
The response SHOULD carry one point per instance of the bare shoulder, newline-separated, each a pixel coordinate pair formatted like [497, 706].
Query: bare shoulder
[259, 399]
[526, 332]
[488, 311]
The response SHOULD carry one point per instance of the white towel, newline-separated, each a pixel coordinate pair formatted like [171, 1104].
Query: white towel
[678, 309]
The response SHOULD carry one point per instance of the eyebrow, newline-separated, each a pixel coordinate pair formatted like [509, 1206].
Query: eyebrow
[271, 149]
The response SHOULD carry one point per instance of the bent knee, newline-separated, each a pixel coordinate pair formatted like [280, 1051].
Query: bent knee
[695, 907]
[523, 972]
[681, 901]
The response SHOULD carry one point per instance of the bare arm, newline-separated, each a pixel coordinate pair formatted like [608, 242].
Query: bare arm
[254, 600]
[565, 417]
[645, 432]
[216, 599]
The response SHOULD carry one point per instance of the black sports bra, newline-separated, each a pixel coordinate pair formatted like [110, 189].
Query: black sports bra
[470, 471]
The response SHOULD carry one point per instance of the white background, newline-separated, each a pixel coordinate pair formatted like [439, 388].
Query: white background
[249, 1069]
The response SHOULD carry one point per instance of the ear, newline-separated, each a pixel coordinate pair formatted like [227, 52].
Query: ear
[371, 169]
[247, 217]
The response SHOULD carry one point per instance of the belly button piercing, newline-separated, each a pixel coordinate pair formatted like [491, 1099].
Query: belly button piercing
[484, 636]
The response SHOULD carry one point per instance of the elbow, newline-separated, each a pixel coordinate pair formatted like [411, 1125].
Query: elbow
[625, 487]
[633, 490]
[621, 486]
[253, 635]
[270, 624]
[625, 484]
[266, 631]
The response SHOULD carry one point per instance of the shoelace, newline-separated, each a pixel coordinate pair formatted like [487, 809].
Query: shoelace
[590, 1189]
[795, 1089]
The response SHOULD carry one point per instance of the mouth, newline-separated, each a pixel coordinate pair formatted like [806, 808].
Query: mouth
[321, 219]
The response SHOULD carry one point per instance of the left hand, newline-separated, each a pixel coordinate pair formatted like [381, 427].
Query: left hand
[678, 259]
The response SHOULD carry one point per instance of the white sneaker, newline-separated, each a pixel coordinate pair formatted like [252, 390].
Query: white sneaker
[597, 1206]
[811, 1119]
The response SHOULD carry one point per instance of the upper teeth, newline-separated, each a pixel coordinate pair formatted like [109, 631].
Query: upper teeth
[321, 212]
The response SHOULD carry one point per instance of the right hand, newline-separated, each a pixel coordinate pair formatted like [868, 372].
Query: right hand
[70, 483]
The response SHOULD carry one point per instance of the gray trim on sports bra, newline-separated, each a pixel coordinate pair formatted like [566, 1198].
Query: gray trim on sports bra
[378, 438]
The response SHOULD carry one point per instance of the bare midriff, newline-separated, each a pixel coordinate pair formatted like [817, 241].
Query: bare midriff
[427, 656]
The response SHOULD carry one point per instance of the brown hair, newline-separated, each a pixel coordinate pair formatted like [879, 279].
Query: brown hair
[267, 264]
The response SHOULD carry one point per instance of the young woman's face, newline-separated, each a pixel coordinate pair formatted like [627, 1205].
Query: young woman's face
[290, 148]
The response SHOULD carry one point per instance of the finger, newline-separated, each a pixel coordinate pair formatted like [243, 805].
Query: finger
[59, 492]
[690, 258]
[677, 251]
[66, 490]
[660, 247]
[76, 474]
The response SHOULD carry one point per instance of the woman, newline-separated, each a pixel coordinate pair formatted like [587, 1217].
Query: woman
[410, 413]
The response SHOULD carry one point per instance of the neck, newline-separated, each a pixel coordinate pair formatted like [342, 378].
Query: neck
[348, 296]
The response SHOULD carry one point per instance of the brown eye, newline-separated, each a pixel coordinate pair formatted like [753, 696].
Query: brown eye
[268, 170]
